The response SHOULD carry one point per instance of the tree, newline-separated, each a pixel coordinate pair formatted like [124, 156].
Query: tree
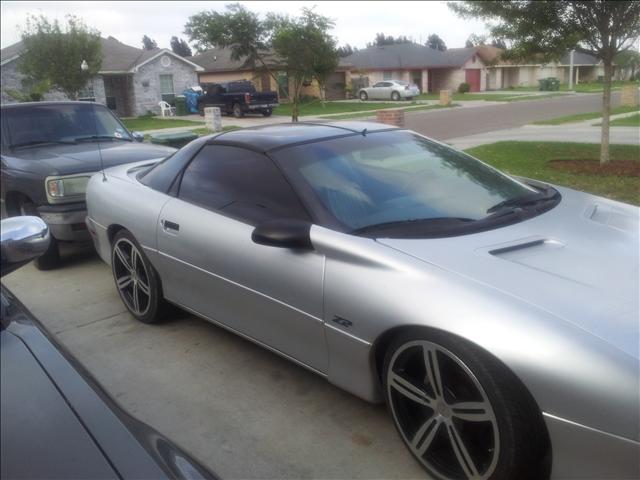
[434, 41]
[54, 56]
[180, 47]
[246, 34]
[325, 62]
[346, 50]
[381, 39]
[628, 60]
[499, 43]
[475, 40]
[307, 50]
[32, 90]
[149, 43]
[601, 28]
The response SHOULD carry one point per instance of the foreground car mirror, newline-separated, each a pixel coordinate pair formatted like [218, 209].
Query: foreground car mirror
[138, 136]
[22, 240]
[284, 233]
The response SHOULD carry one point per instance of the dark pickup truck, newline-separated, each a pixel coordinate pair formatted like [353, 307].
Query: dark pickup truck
[48, 152]
[237, 98]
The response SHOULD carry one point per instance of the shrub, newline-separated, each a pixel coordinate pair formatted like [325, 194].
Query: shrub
[464, 87]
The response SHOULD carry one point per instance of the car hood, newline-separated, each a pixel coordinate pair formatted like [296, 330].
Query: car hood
[84, 157]
[578, 261]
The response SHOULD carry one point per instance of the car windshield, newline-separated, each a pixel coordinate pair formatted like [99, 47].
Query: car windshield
[59, 124]
[396, 176]
[400, 82]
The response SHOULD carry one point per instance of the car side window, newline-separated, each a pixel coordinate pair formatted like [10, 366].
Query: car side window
[378, 85]
[240, 183]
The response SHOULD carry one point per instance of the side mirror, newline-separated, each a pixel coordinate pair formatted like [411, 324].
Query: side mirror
[138, 136]
[22, 239]
[284, 233]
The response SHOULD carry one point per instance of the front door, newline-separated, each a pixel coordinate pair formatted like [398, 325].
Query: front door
[472, 77]
[209, 263]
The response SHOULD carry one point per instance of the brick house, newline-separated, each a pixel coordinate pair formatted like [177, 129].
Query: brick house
[131, 81]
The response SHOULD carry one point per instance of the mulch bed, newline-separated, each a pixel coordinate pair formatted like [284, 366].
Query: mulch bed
[622, 168]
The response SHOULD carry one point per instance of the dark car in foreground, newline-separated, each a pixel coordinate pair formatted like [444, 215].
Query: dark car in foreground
[237, 98]
[57, 422]
[48, 152]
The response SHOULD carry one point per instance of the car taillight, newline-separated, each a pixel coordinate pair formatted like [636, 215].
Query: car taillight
[247, 98]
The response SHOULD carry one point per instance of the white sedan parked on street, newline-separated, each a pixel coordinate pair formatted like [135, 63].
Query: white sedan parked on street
[389, 89]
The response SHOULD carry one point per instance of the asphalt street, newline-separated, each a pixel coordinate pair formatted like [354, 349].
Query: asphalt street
[460, 122]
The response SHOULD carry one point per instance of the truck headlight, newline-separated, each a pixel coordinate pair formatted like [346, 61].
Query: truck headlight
[72, 186]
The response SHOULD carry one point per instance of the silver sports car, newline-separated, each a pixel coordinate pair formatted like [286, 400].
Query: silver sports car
[497, 317]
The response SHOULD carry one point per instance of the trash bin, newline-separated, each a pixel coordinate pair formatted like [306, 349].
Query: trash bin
[554, 84]
[175, 139]
[543, 84]
[181, 105]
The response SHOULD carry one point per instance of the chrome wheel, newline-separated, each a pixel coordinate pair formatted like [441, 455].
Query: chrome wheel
[132, 278]
[442, 412]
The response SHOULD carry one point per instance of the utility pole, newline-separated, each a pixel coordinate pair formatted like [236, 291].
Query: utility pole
[571, 70]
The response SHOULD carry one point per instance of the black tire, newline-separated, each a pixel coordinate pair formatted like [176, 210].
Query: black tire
[363, 96]
[50, 259]
[267, 112]
[395, 96]
[505, 429]
[151, 306]
[237, 110]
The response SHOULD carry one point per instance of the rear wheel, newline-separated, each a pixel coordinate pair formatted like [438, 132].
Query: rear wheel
[267, 112]
[136, 280]
[460, 412]
[363, 96]
[395, 96]
[237, 110]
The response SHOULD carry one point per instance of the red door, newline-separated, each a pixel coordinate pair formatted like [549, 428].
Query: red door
[472, 77]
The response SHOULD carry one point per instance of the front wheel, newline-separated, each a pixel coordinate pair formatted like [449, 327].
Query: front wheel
[395, 96]
[364, 96]
[237, 110]
[460, 412]
[136, 280]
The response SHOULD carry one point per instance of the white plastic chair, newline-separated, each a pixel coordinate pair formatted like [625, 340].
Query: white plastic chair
[166, 108]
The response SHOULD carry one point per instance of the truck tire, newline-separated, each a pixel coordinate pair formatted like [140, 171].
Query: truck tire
[237, 110]
[267, 112]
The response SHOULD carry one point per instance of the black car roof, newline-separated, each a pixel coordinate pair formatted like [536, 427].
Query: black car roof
[270, 137]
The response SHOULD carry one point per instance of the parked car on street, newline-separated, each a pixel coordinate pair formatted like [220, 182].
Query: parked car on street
[237, 98]
[57, 421]
[497, 317]
[389, 90]
[49, 150]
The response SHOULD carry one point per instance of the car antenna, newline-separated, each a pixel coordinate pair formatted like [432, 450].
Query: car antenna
[95, 129]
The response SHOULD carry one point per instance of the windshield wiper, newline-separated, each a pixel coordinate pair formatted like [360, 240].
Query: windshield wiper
[33, 143]
[100, 137]
[525, 200]
[438, 222]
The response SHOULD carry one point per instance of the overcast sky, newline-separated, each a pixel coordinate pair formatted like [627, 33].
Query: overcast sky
[356, 22]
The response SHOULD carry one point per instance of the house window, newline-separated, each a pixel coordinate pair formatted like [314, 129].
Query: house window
[166, 89]
[87, 94]
[387, 75]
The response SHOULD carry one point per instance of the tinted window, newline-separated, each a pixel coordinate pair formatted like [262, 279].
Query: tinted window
[378, 85]
[240, 183]
[161, 176]
[395, 176]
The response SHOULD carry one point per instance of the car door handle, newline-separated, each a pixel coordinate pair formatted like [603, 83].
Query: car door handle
[170, 226]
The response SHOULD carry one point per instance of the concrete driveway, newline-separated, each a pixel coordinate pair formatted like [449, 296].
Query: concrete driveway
[245, 412]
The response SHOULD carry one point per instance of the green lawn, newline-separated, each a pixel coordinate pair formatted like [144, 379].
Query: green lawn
[502, 96]
[581, 87]
[141, 124]
[584, 116]
[632, 121]
[532, 160]
[406, 108]
[316, 108]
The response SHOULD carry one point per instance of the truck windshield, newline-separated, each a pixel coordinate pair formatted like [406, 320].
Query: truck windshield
[59, 123]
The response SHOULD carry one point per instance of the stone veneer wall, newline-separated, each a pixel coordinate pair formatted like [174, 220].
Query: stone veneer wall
[146, 82]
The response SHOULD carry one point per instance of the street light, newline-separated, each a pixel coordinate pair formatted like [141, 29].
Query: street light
[84, 66]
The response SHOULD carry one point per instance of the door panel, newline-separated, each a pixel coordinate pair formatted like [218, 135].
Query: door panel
[274, 295]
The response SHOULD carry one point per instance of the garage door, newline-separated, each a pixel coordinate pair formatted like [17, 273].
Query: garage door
[335, 86]
[472, 77]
